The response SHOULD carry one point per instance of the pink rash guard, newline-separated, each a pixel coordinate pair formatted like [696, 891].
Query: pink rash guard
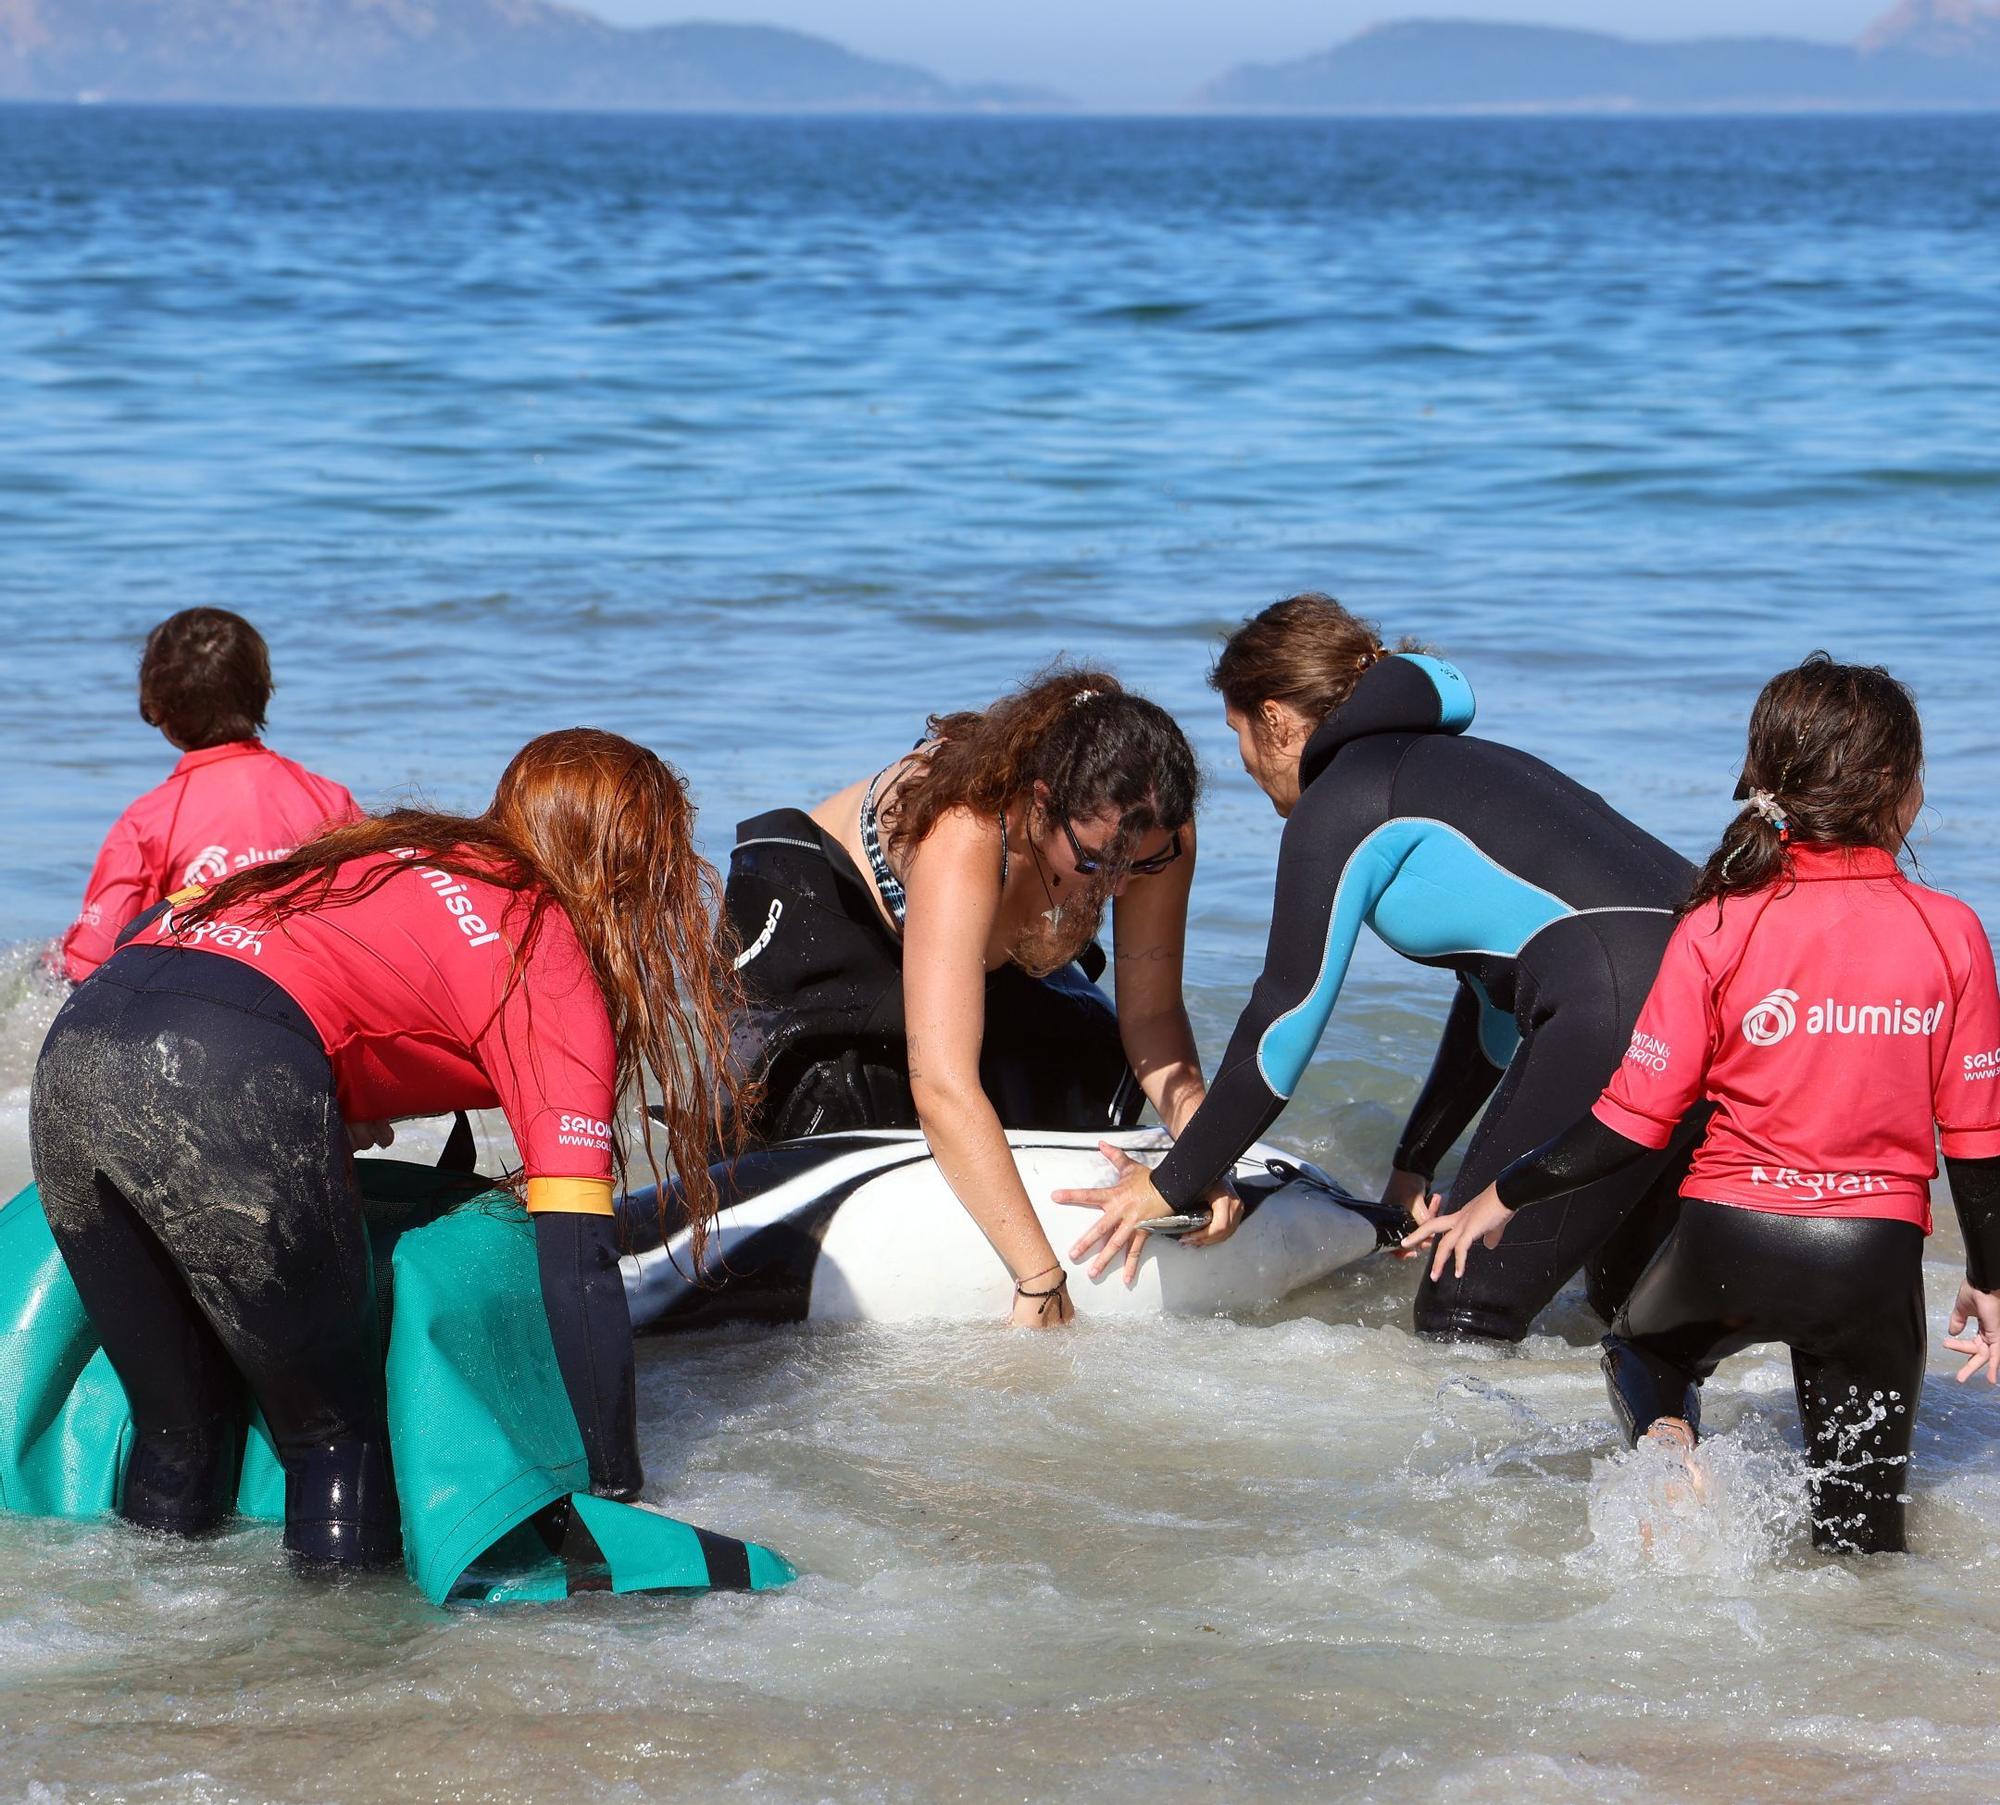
[1843, 1020]
[416, 994]
[223, 808]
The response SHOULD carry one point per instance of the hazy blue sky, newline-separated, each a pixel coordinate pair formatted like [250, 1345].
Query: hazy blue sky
[1151, 52]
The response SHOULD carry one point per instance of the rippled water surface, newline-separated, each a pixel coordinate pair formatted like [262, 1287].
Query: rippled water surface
[759, 439]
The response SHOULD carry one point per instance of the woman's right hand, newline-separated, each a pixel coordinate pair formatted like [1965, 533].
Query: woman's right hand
[1049, 1311]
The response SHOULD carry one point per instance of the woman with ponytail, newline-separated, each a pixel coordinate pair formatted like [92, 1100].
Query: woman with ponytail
[1548, 906]
[1845, 1023]
[197, 1100]
[911, 947]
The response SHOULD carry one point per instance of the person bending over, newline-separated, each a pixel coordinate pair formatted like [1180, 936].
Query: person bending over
[1549, 907]
[195, 1102]
[231, 802]
[1844, 1022]
[990, 853]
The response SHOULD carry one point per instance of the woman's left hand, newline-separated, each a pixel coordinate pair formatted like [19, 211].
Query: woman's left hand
[1484, 1219]
[1131, 1199]
[1225, 1215]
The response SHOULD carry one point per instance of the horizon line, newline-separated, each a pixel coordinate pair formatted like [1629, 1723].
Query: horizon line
[1608, 108]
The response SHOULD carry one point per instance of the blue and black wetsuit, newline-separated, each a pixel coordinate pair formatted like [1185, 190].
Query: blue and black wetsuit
[1553, 910]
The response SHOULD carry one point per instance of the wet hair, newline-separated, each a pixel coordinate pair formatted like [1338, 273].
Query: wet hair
[601, 828]
[205, 678]
[1833, 751]
[1306, 651]
[1097, 747]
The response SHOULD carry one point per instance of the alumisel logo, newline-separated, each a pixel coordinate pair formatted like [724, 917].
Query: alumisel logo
[1768, 1022]
[208, 866]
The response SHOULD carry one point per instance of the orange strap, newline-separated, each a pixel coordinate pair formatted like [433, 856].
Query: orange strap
[570, 1196]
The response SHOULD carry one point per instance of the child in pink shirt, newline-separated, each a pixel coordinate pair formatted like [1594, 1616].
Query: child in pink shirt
[231, 802]
[1844, 1022]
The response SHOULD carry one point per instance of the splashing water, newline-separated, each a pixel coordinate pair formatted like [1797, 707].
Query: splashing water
[1744, 1512]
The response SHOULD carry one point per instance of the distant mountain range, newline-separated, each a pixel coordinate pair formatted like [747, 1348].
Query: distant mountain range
[445, 53]
[1926, 53]
[532, 53]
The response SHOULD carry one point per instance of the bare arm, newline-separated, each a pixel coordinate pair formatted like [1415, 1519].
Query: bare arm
[1149, 933]
[1149, 938]
[954, 896]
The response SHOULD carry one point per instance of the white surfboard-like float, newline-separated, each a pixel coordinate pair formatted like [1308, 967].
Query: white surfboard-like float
[861, 1227]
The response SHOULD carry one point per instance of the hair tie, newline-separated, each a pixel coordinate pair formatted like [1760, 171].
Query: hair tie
[1369, 659]
[1082, 696]
[1764, 803]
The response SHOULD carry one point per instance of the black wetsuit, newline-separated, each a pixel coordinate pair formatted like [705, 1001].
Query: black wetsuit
[196, 1176]
[1844, 1293]
[824, 1024]
[1553, 910]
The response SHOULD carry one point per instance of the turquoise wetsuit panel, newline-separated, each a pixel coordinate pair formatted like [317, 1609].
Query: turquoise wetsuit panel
[1448, 897]
[1455, 703]
[1499, 1033]
[479, 1420]
[1431, 894]
[1287, 1044]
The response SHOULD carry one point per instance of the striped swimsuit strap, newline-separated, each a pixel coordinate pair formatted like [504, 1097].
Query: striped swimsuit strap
[894, 898]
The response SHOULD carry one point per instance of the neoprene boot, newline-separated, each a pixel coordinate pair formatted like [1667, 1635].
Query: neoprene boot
[340, 1506]
[182, 1481]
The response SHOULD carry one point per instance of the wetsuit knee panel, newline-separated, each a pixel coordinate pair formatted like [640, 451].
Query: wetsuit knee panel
[1445, 1309]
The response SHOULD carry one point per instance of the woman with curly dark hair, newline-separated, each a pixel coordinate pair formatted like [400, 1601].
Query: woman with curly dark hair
[910, 946]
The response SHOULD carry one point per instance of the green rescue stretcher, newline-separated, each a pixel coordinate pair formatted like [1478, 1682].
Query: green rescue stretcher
[489, 1465]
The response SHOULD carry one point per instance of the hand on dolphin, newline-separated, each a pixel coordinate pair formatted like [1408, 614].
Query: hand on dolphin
[1133, 1198]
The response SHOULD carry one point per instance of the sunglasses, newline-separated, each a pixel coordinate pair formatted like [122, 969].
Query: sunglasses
[1088, 862]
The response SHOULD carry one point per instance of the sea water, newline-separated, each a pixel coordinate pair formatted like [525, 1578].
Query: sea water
[760, 439]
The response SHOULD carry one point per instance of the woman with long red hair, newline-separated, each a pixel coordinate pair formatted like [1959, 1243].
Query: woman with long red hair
[197, 1101]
